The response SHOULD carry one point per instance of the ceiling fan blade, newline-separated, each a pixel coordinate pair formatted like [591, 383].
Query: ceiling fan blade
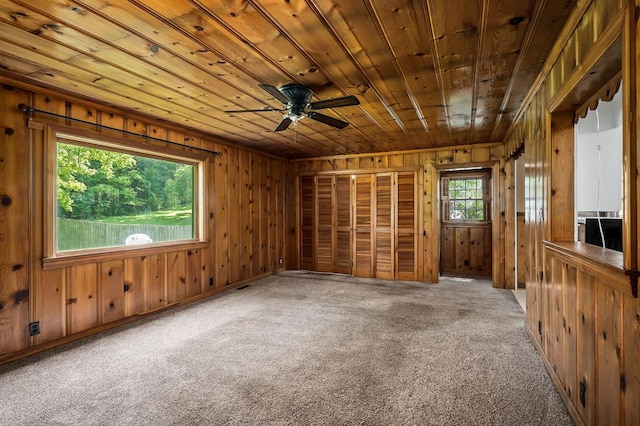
[265, 109]
[283, 124]
[327, 120]
[273, 91]
[336, 102]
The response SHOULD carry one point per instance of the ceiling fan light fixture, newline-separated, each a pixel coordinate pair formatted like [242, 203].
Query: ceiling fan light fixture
[294, 117]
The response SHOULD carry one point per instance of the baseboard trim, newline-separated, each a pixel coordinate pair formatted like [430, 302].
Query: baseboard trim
[111, 325]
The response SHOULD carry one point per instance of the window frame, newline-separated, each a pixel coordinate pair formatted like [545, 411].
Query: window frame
[52, 258]
[482, 174]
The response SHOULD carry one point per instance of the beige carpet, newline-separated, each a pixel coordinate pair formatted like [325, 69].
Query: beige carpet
[300, 349]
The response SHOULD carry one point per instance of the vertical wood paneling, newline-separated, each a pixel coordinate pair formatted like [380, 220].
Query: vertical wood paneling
[14, 214]
[367, 162]
[562, 177]
[270, 212]
[521, 250]
[461, 245]
[82, 298]
[447, 250]
[430, 224]
[234, 213]
[498, 200]
[49, 304]
[221, 199]
[487, 242]
[476, 256]
[209, 255]
[134, 280]
[466, 249]
[631, 366]
[585, 339]
[193, 273]
[546, 311]
[111, 285]
[257, 180]
[510, 229]
[176, 277]
[153, 282]
[462, 156]
[570, 343]
[246, 224]
[590, 311]
[79, 298]
[556, 334]
[281, 231]
[47, 292]
[608, 346]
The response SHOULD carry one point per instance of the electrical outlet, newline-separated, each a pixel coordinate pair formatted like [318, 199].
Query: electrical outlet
[211, 282]
[281, 261]
[34, 328]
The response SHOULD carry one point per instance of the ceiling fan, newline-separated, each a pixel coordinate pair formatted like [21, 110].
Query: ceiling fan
[297, 104]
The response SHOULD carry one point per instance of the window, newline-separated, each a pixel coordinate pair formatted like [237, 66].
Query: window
[598, 174]
[465, 199]
[465, 196]
[107, 195]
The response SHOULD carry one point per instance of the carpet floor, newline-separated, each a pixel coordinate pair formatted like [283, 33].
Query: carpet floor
[300, 348]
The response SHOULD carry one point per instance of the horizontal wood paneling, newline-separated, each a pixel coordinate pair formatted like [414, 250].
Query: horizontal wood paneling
[245, 217]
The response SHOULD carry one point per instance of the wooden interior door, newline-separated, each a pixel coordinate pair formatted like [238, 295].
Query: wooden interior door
[406, 227]
[307, 219]
[324, 207]
[465, 242]
[343, 246]
[363, 226]
[384, 226]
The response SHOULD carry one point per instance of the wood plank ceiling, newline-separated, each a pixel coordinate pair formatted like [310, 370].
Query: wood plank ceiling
[428, 73]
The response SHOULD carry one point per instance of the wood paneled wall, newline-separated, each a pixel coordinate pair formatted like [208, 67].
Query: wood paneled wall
[584, 321]
[466, 249]
[245, 219]
[430, 163]
[521, 251]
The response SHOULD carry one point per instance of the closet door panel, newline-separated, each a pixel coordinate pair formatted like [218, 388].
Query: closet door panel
[307, 218]
[324, 224]
[363, 256]
[384, 207]
[343, 202]
[406, 221]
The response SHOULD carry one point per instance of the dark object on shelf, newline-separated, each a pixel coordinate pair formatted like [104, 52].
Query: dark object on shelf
[611, 228]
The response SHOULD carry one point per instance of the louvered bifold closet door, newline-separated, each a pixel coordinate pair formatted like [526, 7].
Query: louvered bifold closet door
[342, 253]
[324, 223]
[384, 246]
[363, 258]
[307, 218]
[406, 221]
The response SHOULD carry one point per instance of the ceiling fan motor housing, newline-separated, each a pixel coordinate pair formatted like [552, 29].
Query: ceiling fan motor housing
[299, 95]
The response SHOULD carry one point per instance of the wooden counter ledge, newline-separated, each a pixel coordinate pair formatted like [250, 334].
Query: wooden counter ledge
[605, 264]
